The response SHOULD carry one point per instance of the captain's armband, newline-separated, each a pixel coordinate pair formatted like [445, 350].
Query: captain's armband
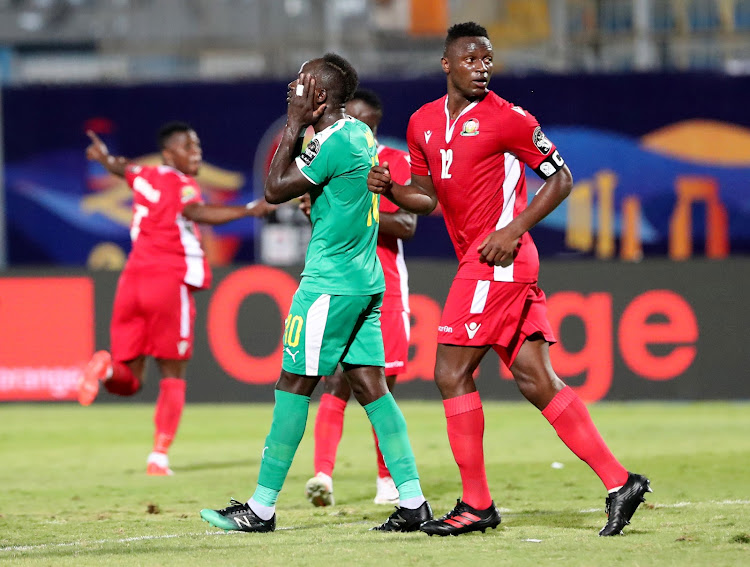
[550, 166]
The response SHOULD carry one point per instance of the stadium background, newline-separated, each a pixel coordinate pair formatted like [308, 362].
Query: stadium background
[644, 263]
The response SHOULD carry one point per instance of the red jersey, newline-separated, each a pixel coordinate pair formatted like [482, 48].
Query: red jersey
[390, 248]
[477, 167]
[161, 236]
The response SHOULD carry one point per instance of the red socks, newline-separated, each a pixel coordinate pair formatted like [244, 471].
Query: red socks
[465, 419]
[329, 424]
[572, 422]
[122, 382]
[168, 412]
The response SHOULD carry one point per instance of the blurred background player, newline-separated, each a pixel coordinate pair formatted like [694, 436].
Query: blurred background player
[154, 309]
[335, 313]
[396, 225]
[468, 150]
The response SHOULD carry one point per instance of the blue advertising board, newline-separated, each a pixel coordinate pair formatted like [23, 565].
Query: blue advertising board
[661, 162]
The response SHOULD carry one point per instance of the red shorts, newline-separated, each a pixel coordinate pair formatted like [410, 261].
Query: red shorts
[501, 314]
[153, 315]
[395, 326]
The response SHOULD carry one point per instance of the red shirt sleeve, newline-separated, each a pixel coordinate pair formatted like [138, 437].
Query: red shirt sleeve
[132, 171]
[526, 140]
[416, 155]
[524, 137]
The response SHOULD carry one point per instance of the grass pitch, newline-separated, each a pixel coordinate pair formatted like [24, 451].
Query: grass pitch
[73, 489]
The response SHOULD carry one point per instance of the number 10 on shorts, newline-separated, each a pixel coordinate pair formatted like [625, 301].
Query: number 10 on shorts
[292, 329]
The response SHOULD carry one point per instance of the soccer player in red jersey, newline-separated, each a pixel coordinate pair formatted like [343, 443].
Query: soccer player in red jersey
[468, 151]
[154, 309]
[396, 225]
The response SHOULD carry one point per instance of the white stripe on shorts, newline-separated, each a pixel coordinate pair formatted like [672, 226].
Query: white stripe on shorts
[184, 312]
[480, 296]
[315, 326]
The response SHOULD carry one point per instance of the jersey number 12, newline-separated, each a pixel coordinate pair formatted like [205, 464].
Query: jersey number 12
[446, 156]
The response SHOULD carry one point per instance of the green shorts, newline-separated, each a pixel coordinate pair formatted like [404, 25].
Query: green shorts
[322, 330]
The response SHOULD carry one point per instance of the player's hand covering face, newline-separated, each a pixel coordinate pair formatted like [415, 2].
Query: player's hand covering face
[304, 108]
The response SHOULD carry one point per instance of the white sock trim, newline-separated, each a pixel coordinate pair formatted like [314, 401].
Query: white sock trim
[412, 503]
[159, 459]
[265, 513]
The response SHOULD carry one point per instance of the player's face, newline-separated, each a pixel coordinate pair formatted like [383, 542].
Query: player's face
[468, 64]
[183, 152]
[362, 111]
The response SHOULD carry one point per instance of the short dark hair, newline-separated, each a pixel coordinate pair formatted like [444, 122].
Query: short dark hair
[169, 129]
[466, 29]
[370, 98]
[343, 74]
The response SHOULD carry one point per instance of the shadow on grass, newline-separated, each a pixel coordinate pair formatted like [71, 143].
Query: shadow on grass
[217, 465]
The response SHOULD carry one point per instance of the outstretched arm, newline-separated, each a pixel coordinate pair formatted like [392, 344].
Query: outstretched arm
[221, 214]
[418, 197]
[97, 151]
[499, 248]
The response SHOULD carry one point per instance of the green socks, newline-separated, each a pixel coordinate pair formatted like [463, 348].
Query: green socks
[287, 429]
[390, 427]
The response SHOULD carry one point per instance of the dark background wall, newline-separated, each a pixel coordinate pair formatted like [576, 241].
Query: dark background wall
[598, 122]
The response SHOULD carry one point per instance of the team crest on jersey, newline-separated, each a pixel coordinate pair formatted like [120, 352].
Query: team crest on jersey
[311, 152]
[188, 192]
[471, 127]
[541, 142]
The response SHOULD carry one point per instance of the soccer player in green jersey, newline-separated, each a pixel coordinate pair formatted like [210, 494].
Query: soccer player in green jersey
[334, 317]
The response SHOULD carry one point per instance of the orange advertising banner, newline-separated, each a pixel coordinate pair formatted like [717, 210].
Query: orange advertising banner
[46, 336]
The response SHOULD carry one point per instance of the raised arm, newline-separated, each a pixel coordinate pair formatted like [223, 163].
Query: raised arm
[221, 214]
[97, 151]
[285, 181]
[418, 197]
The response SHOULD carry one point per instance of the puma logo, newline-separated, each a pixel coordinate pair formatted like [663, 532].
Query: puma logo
[292, 354]
[472, 328]
[427, 135]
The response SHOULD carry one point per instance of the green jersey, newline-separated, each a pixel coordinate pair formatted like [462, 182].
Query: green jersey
[341, 258]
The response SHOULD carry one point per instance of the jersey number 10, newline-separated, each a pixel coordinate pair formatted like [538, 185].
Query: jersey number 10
[373, 215]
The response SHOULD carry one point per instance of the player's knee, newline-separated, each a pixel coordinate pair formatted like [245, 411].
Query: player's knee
[337, 385]
[451, 377]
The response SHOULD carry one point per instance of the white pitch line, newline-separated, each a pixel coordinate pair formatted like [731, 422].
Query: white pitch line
[103, 541]
[122, 540]
[223, 533]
